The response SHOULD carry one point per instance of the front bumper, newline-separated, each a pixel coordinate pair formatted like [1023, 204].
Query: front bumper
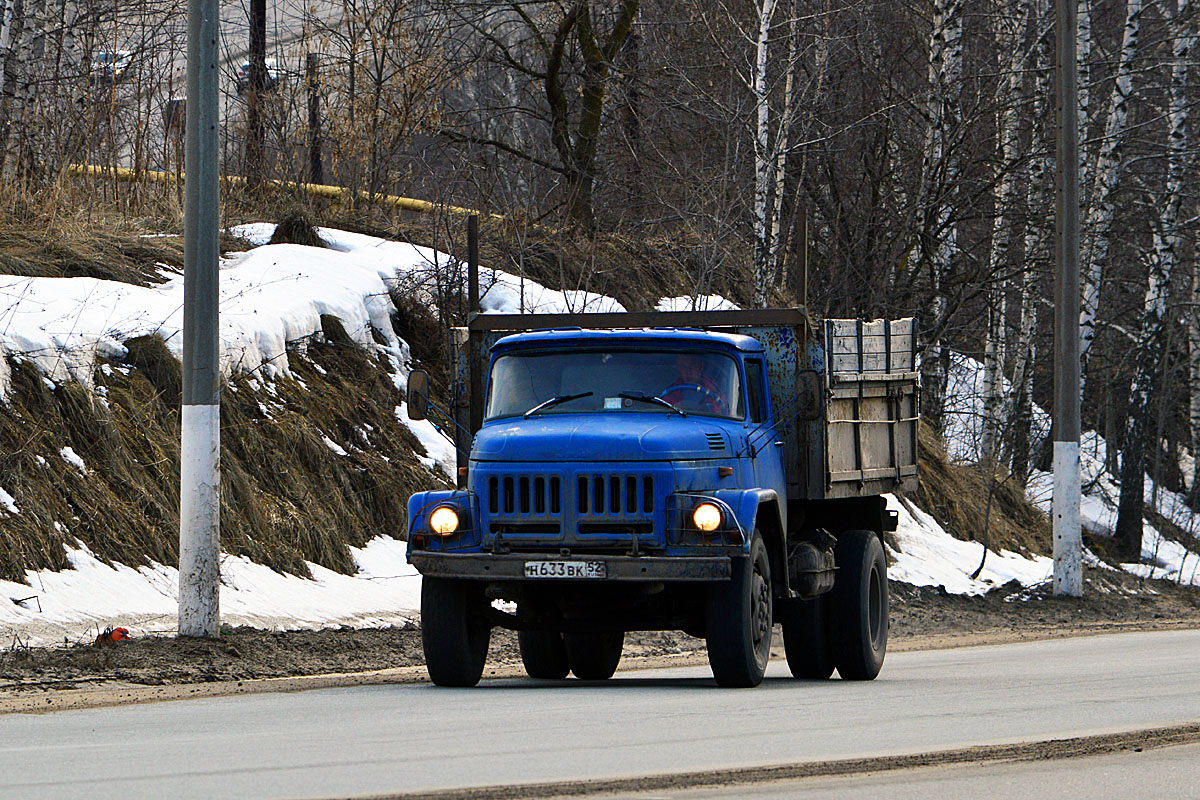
[511, 567]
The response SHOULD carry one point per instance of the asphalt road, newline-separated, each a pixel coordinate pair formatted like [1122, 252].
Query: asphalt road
[1168, 773]
[376, 740]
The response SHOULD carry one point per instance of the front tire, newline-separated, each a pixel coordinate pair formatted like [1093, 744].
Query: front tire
[544, 654]
[594, 656]
[806, 639]
[858, 612]
[454, 630]
[740, 620]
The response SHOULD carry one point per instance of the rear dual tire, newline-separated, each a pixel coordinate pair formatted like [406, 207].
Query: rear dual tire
[550, 655]
[847, 628]
[544, 654]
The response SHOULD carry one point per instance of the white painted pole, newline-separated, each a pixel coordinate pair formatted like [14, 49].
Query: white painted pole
[1068, 543]
[200, 446]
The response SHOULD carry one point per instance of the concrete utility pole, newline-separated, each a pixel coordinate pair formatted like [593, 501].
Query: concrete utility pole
[1068, 543]
[200, 448]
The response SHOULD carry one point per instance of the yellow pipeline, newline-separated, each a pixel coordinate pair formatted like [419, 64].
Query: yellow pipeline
[337, 193]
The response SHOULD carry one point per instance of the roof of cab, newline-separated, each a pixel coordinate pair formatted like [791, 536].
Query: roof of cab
[672, 337]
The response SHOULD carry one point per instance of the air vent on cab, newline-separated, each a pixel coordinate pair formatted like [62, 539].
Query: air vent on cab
[715, 441]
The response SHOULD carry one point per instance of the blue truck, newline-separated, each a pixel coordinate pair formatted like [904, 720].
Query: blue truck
[710, 472]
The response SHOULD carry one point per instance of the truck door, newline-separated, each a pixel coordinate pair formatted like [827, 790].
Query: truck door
[765, 442]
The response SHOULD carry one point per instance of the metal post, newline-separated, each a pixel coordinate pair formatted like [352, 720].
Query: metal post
[200, 447]
[1068, 546]
[476, 366]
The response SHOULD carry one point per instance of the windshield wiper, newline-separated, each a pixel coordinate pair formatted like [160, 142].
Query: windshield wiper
[652, 399]
[553, 401]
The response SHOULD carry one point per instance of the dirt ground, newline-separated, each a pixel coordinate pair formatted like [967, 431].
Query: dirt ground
[921, 618]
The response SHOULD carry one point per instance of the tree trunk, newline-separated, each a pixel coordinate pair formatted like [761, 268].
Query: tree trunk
[1149, 349]
[1039, 205]
[1009, 39]
[763, 164]
[935, 239]
[1097, 226]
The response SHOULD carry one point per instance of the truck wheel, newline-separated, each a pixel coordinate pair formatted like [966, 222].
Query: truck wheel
[805, 638]
[544, 654]
[858, 612]
[454, 630]
[594, 656]
[739, 620]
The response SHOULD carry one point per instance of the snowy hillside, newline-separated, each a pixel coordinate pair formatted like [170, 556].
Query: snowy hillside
[272, 299]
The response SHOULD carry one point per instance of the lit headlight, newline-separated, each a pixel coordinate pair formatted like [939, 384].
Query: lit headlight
[443, 520]
[707, 517]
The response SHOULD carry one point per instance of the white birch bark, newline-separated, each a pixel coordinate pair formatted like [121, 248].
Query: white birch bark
[1039, 204]
[933, 203]
[1148, 347]
[1009, 36]
[1097, 224]
[782, 138]
[1083, 44]
[763, 163]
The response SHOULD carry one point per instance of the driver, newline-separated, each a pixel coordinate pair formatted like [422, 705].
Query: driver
[692, 388]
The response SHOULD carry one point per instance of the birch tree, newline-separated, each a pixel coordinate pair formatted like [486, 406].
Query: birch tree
[763, 163]
[1010, 44]
[936, 236]
[1038, 178]
[1098, 220]
[1148, 348]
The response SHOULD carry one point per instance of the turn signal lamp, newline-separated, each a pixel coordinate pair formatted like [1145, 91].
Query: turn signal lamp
[707, 517]
[443, 520]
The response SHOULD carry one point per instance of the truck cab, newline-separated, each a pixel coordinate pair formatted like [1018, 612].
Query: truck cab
[623, 479]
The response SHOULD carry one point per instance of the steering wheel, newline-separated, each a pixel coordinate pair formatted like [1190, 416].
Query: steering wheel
[719, 403]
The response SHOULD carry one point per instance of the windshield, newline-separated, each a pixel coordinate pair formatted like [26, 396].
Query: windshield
[615, 380]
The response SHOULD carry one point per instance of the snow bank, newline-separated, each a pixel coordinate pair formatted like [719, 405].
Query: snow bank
[929, 556]
[269, 297]
[1098, 504]
[92, 594]
[272, 298]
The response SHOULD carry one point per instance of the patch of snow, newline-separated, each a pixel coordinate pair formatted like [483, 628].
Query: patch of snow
[8, 503]
[704, 302]
[440, 451]
[384, 591]
[928, 556]
[256, 233]
[72, 458]
[334, 446]
[963, 421]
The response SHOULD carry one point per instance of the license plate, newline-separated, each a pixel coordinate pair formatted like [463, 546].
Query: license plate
[565, 569]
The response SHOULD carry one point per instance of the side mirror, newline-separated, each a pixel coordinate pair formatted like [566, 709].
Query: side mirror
[418, 394]
[809, 393]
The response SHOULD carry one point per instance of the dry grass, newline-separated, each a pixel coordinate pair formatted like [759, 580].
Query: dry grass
[956, 495]
[95, 229]
[287, 497]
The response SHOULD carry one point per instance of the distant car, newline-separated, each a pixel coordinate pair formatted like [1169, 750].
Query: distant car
[111, 66]
[242, 79]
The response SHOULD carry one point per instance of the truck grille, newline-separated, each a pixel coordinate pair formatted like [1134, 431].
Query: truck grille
[525, 494]
[605, 495]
